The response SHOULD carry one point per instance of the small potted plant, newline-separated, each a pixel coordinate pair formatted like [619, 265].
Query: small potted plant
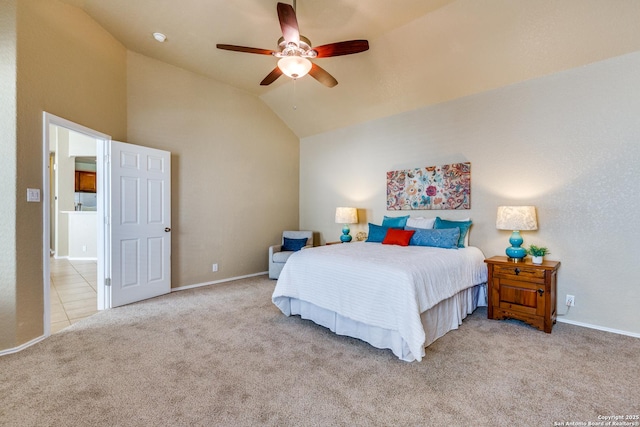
[537, 253]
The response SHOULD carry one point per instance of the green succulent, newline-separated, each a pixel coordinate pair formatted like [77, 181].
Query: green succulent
[538, 251]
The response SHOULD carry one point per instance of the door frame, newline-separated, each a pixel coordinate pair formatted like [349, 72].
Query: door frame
[102, 141]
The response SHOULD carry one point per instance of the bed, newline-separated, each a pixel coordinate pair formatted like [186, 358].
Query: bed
[394, 297]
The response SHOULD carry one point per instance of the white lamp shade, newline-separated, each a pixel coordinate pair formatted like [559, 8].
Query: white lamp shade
[517, 218]
[294, 66]
[346, 215]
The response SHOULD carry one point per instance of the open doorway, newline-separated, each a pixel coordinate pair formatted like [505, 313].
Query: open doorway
[132, 218]
[74, 227]
[72, 236]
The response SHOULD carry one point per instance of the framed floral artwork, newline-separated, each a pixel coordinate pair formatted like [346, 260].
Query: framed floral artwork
[433, 187]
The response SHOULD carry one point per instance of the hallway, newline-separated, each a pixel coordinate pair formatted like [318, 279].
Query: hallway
[73, 292]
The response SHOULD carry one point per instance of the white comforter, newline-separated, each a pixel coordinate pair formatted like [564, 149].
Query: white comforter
[387, 286]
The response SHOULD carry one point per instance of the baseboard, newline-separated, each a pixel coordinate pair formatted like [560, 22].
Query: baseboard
[21, 347]
[599, 328]
[229, 279]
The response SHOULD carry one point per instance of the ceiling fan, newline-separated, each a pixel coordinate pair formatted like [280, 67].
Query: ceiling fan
[295, 51]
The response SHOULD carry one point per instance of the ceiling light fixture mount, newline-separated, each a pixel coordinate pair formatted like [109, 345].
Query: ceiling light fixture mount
[160, 37]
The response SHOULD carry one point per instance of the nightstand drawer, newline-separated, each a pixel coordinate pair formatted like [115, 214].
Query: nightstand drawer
[516, 272]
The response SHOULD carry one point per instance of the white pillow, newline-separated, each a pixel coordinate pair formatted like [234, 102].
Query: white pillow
[420, 222]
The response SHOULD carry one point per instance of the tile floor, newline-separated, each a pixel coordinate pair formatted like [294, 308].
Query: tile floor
[73, 292]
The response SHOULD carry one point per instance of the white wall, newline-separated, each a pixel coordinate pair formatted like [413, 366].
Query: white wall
[81, 145]
[83, 235]
[568, 143]
[64, 187]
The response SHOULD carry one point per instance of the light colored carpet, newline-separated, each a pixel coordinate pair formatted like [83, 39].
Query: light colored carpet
[224, 355]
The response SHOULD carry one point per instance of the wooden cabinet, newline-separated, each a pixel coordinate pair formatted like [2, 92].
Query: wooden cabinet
[523, 291]
[86, 181]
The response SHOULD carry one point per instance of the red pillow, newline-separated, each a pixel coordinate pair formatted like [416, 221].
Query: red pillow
[398, 237]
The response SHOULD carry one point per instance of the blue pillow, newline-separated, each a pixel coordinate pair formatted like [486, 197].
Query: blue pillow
[462, 225]
[395, 221]
[293, 244]
[376, 233]
[444, 238]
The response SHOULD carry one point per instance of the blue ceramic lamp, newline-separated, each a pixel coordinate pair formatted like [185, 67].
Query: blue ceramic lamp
[516, 219]
[346, 216]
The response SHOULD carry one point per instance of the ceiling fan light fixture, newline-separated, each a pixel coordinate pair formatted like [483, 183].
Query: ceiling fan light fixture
[294, 66]
[294, 51]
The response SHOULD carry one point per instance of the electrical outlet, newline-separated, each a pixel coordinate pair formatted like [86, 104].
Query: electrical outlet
[570, 301]
[214, 268]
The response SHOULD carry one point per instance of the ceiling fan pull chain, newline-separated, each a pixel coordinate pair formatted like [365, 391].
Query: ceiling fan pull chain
[295, 107]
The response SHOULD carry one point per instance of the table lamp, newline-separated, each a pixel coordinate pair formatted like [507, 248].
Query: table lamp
[516, 219]
[346, 216]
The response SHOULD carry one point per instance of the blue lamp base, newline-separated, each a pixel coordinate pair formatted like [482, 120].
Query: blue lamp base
[515, 252]
[345, 234]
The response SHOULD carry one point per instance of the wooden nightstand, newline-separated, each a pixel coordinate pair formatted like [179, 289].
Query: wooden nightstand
[523, 291]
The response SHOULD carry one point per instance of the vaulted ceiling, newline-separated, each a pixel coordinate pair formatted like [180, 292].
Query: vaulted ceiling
[421, 51]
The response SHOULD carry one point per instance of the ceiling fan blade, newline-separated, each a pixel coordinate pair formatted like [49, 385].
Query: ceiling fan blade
[342, 48]
[322, 76]
[271, 77]
[288, 23]
[245, 49]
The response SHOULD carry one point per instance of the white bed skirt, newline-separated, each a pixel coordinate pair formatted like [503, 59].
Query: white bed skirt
[437, 321]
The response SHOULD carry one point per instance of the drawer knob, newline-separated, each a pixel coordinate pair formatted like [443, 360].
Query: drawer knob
[517, 271]
[541, 291]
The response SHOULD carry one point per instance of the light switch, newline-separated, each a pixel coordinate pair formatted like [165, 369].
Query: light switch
[33, 194]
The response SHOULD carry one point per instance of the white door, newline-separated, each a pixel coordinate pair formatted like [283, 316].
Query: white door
[139, 220]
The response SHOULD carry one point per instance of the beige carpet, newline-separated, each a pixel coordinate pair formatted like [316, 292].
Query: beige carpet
[224, 355]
